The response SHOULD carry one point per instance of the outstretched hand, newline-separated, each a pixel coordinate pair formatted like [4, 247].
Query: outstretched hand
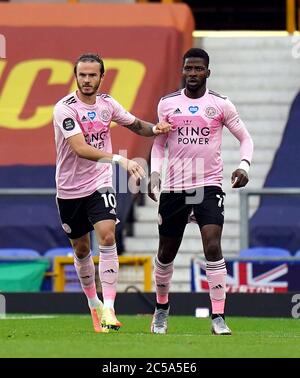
[239, 178]
[161, 128]
[154, 186]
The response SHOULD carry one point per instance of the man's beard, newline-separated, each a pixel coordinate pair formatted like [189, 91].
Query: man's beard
[95, 89]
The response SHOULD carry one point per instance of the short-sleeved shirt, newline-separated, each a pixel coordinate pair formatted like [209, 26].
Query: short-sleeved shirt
[77, 177]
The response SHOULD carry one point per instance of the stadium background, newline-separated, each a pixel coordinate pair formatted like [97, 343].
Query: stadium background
[257, 70]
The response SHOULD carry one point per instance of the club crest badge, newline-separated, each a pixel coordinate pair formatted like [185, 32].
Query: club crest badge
[210, 112]
[105, 115]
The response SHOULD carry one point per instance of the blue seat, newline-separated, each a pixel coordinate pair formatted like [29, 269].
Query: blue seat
[265, 252]
[297, 254]
[19, 253]
[60, 251]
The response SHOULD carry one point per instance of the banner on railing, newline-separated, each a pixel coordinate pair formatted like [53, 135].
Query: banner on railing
[262, 276]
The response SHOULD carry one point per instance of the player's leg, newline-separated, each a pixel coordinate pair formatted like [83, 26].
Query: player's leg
[108, 270]
[173, 216]
[85, 268]
[163, 271]
[102, 214]
[77, 227]
[209, 215]
[216, 276]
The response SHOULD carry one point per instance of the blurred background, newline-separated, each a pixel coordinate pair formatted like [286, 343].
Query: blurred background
[254, 49]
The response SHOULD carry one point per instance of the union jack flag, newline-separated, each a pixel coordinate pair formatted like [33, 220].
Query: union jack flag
[245, 277]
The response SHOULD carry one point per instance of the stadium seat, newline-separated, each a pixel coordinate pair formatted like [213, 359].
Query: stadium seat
[265, 252]
[297, 254]
[61, 251]
[19, 253]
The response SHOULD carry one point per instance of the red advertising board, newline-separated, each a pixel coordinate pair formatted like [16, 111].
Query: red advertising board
[142, 64]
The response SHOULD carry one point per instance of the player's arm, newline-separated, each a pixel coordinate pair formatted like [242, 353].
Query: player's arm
[157, 158]
[148, 129]
[138, 126]
[85, 151]
[240, 176]
[65, 119]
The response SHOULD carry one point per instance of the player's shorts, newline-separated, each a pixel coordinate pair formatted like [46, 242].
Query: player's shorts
[78, 215]
[175, 208]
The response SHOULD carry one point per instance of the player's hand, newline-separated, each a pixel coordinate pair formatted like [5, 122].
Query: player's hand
[239, 178]
[161, 128]
[133, 168]
[154, 186]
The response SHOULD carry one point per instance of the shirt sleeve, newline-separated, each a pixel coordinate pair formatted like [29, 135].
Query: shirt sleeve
[161, 113]
[237, 127]
[158, 148]
[121, 115]
[65, 120]
[158, 153]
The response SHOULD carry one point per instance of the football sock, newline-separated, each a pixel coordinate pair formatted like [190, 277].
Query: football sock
[216, 276]
[85, 269]
[162, 275]
[108, 273]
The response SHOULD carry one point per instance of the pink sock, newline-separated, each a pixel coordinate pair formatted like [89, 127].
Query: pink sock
[216, 276]
[108, 273]
[85, 269]
[163, 275]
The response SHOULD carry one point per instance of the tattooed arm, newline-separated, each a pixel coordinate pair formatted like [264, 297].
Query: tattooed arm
[148, 129]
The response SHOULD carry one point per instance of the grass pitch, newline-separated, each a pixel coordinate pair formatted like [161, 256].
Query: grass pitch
[188, 337]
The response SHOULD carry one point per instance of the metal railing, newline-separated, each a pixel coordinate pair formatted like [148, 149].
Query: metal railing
[61, 261]
[244, 207]
[28, 192]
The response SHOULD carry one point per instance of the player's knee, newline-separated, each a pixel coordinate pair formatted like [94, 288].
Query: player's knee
[168, 248]
[165, 259]
[108, 239]
[81, 249]
[165, 256]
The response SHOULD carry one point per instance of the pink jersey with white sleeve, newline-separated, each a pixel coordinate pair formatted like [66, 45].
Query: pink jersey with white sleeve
[77, 177]
[194, 142]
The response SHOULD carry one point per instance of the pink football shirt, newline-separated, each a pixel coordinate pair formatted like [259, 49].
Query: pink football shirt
[77, 177]
[194, 142]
